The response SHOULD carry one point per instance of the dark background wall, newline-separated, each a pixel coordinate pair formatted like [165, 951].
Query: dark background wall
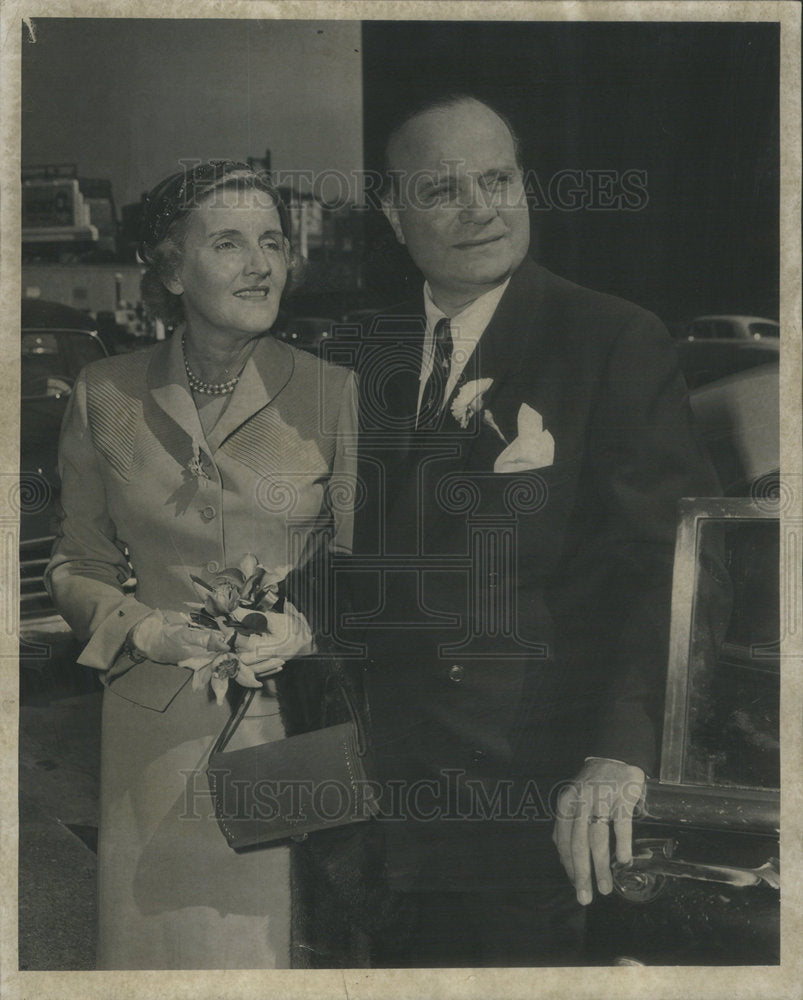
[693, 106]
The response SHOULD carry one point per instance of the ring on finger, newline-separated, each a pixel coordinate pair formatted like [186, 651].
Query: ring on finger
[594, 818]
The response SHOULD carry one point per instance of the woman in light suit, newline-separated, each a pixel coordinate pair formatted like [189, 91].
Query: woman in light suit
[177, 461]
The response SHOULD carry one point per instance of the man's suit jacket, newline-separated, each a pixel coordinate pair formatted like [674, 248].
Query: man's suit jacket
[518, 622]
[129, 494]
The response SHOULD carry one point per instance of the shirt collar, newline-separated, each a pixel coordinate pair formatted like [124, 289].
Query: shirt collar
[469, 324]
[466, 328]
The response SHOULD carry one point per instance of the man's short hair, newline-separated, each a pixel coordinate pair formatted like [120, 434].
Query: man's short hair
[447, 100]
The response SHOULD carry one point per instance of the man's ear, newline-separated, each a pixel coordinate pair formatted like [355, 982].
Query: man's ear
[391, 213]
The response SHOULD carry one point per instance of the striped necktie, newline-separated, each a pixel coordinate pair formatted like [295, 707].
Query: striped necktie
[435, 387]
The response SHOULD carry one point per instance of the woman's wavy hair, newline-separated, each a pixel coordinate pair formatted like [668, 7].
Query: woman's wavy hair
[165, 222]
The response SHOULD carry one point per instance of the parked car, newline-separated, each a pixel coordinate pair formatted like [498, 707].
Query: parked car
[704, 361]
[337, 305]
[56, 342]
[738, 420]
[712, 347]
[704, 886]
[306, 332]
[124, 330]
[316, 334]
[733, 328]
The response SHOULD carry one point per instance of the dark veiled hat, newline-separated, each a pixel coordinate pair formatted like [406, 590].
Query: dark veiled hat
[179, 193]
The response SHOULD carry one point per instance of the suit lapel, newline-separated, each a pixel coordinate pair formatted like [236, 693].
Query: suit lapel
[509, 337]
[499, 353]
[403, 357]
[502, 354]
[389, 367]
[266, 373]
[168, 385]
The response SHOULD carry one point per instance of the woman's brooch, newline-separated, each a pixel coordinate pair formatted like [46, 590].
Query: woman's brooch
[195, 464]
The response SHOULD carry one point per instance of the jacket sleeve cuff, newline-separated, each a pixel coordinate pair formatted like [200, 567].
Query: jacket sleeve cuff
[614, 760]
[108, 638]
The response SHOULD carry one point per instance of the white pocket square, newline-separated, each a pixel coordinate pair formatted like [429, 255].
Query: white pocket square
[534, 448]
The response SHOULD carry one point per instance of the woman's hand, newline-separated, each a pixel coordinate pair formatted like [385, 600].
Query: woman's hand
[171, 636]
[288, 636]
[255, 656]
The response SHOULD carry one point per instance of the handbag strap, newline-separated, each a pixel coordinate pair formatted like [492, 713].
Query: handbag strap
[337, 669]
[234, 721]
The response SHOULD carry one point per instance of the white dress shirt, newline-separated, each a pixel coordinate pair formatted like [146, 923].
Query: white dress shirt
[467, 327]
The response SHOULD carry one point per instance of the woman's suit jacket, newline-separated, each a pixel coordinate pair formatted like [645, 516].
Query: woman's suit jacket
[132, 502]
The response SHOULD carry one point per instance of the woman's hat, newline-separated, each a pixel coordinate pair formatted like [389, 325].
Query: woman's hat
[179, 193]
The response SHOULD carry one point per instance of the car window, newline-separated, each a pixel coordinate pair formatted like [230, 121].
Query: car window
[764, 330]
[732, 699]
[51, 360]
[712, 329]
[700, 328]
[723, 330]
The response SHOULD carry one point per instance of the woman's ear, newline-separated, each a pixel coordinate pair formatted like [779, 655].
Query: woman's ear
[170, 268]
[173, 284]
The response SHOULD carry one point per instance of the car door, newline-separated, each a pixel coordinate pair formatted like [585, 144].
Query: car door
[56, 342]
[704, 885]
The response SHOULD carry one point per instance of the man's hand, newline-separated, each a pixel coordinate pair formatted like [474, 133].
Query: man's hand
[605, 792]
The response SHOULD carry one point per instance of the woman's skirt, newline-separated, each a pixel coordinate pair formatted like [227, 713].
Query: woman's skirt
[172, 893]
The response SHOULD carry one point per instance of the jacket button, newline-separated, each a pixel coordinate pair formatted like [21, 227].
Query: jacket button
[208, 513]
[456, 673]
[212, 566]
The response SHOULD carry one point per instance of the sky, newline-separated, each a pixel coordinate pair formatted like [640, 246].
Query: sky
[128, 100]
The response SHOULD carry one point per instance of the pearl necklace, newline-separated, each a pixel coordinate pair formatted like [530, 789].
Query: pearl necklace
[207, 388]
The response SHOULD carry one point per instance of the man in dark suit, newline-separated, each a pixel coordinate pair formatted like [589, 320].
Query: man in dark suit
[524, 443]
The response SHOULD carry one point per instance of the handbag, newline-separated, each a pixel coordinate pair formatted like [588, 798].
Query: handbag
[295, 786]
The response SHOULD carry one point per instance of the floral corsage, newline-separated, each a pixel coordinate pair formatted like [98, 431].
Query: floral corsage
[262, 629]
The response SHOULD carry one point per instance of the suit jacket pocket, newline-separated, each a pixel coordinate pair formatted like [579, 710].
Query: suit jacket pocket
[531, 507]
[150, 685]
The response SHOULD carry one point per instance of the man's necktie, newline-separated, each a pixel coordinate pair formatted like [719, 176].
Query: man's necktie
[435, 387]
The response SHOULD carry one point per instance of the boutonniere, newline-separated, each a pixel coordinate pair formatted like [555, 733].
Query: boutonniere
[195, 464]
[469, 402]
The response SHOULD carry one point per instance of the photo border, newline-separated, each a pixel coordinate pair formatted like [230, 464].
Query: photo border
[371, 984]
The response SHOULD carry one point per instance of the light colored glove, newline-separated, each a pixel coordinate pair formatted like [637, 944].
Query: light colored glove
[171, 636]
[289, 636]
[255, 656]
[217, 669]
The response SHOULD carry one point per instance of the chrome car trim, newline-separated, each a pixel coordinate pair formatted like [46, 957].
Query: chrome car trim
[656, 858]
[692, 512]
[751, 810]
